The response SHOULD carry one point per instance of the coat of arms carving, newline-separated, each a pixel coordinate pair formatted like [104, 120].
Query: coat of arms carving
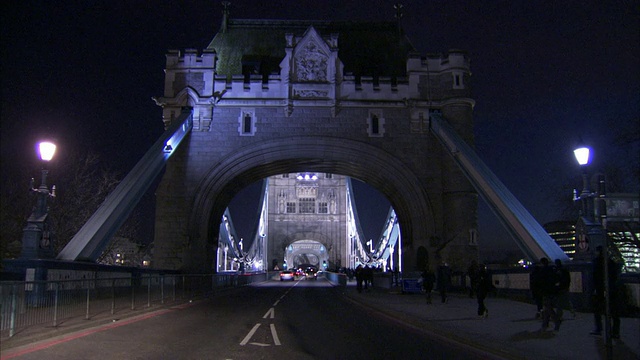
[311, 64]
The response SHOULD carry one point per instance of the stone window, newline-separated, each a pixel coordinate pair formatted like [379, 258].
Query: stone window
[323, 207]
[307, 205]
[247, 122]
[328, 176]
[473, 237]
[291, 207]
[375, 123]
[458, 82]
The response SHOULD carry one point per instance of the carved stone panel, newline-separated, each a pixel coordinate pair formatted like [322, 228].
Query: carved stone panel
[311, 64]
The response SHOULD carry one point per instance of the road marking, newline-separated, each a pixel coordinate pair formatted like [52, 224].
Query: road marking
[276, 303]
[271, 312]
[249, 335]
[274, 334]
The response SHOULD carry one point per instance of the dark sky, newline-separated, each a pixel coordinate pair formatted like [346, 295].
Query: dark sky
[545, 75]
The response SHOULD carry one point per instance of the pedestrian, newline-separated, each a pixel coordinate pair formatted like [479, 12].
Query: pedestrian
[563, 278]
[396, 276]
[367, 273]
[428, 279]
[444, 281]
[535, 284]
[359, 278]
[599, 300]
[484, 287]
[472, 273]
[549, 295]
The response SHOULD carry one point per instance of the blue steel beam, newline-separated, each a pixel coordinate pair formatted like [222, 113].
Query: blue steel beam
[530, 236]
[89, 243]
[389, 236]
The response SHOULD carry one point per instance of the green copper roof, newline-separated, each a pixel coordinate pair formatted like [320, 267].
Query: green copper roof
[365, 48]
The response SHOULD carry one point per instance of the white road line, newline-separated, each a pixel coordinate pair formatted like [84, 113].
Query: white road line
[259, 344]
[274, 334]
[276, 303]
[249, 335]
[271, 312]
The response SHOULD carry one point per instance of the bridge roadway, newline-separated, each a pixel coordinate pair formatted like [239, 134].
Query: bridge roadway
[309, 319]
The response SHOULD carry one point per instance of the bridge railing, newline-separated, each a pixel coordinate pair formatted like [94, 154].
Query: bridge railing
[52, 303]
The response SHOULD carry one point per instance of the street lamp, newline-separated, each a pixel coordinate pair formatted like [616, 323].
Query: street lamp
[36, 237]
[582, 155]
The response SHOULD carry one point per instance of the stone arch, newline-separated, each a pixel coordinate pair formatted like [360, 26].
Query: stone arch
[322, 255]
[188, 97]
[376, 167]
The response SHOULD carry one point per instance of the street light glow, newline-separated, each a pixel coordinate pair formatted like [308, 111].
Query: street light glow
[582, 155]
[47, 150]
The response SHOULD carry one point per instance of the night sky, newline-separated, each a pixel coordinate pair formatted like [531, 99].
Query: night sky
[546, 76]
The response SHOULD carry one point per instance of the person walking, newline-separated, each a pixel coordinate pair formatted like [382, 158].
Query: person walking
[472, 273]
[444, 280]
[359, 273]
[484, 287]
[549, 295]
[535, 284]
[367, 273]
[428, 279]
[563, 278]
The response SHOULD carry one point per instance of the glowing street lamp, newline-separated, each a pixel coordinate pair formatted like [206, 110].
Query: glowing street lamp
[582, 156]
[36, 239]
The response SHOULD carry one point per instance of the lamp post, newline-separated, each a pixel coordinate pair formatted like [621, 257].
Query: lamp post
[36, 237]
[582, 155]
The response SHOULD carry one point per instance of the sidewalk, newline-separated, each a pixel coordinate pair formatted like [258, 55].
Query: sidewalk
[510, 331]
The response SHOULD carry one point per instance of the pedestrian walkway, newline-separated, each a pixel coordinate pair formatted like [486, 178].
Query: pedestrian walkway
[510, 330]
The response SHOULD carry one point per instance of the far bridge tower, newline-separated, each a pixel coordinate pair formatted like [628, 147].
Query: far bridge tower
[307, 220]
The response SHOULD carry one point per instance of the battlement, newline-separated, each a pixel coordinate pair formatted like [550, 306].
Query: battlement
[190, 59]
[452, 60]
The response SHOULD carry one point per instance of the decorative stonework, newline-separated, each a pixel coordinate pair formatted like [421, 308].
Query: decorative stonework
[307, 94]
[311, 64]
[307, 191]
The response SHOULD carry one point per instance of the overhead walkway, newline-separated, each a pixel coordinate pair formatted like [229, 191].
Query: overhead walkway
[89, 243]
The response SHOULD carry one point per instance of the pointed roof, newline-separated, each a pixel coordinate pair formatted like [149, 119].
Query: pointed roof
[365, 48]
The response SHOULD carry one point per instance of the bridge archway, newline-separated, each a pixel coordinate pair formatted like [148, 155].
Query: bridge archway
[372, 165]
[306, 252]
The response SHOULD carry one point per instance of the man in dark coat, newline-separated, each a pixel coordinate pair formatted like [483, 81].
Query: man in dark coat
[428, 279]
[535, 283]
[485, 286]
[549, 295]
[444, 280]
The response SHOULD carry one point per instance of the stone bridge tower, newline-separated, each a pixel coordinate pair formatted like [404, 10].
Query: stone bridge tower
[272, 97]
[307, 220]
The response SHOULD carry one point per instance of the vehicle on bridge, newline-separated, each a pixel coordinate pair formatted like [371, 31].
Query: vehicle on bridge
[311, 273]
[287, 275]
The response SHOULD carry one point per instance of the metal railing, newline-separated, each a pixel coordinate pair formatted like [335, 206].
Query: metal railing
[27, 303]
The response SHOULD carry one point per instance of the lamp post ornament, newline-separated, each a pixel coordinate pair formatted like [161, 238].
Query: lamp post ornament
[36, 238]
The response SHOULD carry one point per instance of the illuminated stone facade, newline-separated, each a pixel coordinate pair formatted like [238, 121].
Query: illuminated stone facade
[271, 97]
[307, 220]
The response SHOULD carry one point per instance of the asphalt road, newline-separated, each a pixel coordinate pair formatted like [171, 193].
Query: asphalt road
[306, 319]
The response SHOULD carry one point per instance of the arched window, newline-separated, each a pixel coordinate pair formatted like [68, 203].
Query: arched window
[247, 122]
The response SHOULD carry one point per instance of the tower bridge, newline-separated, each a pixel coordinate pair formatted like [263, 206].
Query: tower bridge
[273, 97]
